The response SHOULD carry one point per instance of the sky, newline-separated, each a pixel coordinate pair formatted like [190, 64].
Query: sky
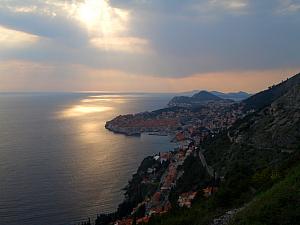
[147, 45]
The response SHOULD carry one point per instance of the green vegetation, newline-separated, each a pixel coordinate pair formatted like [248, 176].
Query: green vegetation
[276, 202]
[257, 162]
[136, 191]
[266, 97]
[194, 178]
[278, 206]
[196, 100]
[257, 158]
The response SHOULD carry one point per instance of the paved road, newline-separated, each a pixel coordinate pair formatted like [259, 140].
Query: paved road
[209, 170]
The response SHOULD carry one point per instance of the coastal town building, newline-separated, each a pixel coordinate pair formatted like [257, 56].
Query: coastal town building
[185, 199]
[188, 128]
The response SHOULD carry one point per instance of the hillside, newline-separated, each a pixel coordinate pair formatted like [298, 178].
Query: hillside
[236, 96]
[197, 99]
[261, 138]
[257, 161]
[278, 206]
[246, 165]
[268, 197]
[205, 96]
[266, 97]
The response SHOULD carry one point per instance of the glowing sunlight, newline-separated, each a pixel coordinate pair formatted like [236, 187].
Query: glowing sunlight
[80, 110]
[13, 38]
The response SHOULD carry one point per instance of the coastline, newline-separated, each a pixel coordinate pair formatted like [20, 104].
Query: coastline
[135, 132]
[121, 131]
[152, 190]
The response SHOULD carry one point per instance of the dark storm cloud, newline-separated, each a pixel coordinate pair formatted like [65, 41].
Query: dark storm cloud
[200, 37]
[186, 37]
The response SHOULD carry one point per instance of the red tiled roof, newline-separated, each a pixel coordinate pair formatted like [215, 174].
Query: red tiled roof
[143, 220]
[156, 196]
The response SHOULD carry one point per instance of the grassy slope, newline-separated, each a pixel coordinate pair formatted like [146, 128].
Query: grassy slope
[280, 205]
[254, 165]
[266, 97]
[276, 204]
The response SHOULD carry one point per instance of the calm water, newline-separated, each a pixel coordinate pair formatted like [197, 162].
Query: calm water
[58, 165]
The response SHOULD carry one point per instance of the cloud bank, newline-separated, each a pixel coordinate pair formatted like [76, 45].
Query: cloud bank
[148, 39]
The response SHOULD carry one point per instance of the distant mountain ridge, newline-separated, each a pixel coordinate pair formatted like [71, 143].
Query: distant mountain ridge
[251, 102]
[258, 160]
[206, 96]
[197, 99]
[251, 168]
[203, 97]
[236, 96]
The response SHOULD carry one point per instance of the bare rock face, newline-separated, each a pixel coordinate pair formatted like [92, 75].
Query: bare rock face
[275, 126]
[264, 137]
[225, 219]
[267, 97]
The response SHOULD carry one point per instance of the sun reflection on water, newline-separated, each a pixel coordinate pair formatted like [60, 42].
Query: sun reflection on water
[90, 131]
[117, 100]
[92, 104]
[106, 96]
[80, 110]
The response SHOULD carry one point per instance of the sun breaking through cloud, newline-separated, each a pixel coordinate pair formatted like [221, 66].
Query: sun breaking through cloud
[155, 43]
[13, 38]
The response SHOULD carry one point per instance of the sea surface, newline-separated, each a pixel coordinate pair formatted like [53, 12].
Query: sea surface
[58, 164]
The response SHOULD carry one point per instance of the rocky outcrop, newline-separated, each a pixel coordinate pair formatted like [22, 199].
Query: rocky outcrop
[225, 219]
[276, 126]
[262, 138]
[267, 97]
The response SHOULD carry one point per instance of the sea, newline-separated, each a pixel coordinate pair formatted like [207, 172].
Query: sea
[58, 164]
